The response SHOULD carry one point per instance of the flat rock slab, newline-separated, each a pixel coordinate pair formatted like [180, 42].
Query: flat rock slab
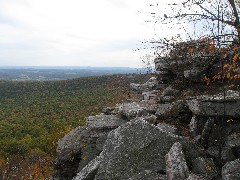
[137, 146]
[104, 122]
[137, 109]
[214, 105]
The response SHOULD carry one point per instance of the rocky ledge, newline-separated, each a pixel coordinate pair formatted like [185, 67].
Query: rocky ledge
[165, 135]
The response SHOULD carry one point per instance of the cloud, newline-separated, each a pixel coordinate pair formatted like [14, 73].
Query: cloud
[72, 32]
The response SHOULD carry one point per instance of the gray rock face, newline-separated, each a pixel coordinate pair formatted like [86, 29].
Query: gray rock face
[208, 105]
[77, 148]
[170, 91]
[69, 151]
[137, 146]
[148, 175]
[100, 122]
[231, 170]
[204, 167]
[196, 177]
[90, 170]
[151, 84]
[164, 110]
[137, 109]
[176, 165]
[150, 95]
[193, 127]
[167, 128]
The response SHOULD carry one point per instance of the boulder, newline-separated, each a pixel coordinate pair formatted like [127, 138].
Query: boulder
[81, 145]
[213, 105]
[148, 175]
[206, 131]
[170, 91]
[167, 128]
[164, 111]
[69, 151]
[204, 167]
[173, 110]
[176, 165]
[151, 84]
[193, 127]
[101, 122]
[150, 95]
[231, 170]
[137, 146]
[137, 109]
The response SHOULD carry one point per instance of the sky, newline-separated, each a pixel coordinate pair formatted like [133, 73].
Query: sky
[100, 33]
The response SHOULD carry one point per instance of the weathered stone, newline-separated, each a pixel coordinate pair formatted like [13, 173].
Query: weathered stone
[216, 105]
[69, 152]
[193, 127]
[101, 141]
[196, 177]
[170, 91]
[206, 131]
[148, 175]
[176, 165]
[173, 110]
[167, 128]
[137, 146]
[204, 167]
[231, 170]
[137, 109]
[152, 119]
[151, 84]
[90, 170]
[150, 95]
[164, 110]
[99, 122]
[77, 148]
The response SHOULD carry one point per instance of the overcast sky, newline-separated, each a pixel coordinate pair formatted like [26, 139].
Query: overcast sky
[74, 32]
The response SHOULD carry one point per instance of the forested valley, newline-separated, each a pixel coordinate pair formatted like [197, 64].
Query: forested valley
[34, 115]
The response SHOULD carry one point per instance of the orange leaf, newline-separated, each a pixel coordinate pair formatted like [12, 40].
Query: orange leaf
[191, 50]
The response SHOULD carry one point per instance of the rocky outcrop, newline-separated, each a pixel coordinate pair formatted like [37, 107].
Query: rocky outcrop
[76, 149]
[167, 134]
[227, 104]
[137, 146]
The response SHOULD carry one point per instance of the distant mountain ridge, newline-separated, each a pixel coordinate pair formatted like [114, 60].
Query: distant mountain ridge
[43, 73]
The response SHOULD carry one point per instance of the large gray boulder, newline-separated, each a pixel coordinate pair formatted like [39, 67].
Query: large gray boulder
[176, 165]
[81, 145]
[231, 170]
[216, 105]
[136, 146]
